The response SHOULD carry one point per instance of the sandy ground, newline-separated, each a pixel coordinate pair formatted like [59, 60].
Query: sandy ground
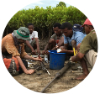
[37, 81]
[40, 79]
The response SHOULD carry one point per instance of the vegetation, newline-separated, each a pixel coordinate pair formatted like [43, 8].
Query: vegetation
[61, 4]
[44, 19]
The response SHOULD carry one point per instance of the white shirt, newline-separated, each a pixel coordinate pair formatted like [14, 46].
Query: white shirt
[33, 35]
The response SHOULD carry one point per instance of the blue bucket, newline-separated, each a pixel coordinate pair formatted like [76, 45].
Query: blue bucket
[57, 60]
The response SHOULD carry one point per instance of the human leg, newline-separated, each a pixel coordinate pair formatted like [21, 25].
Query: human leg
[85, 70]
[51, 44]
[91, 57]
[28, 49]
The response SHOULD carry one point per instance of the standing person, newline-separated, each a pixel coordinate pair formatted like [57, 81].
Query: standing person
[34, 41]
[13, 46]
[56, 39]
[71, 38]
[88, 49]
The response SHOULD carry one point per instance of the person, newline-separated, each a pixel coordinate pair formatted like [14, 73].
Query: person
[13, 46]
[56, 39]
[34, 40]
[71, 38]
[88, 49]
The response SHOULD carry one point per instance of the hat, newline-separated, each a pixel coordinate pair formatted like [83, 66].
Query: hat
[77, 27]
[22, 33]
[87, 22]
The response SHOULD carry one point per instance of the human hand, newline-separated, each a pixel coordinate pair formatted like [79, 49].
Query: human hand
[39, 59]
[38, 51]
[29, 71]
[71, 59]
[62, 51]
[33, 52]
[45, 52]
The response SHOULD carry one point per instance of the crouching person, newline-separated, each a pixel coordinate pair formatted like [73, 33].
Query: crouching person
[88, 49]
[13, 47]
[71, 38]
[56, 40]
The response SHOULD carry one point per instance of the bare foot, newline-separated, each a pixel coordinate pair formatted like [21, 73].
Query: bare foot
[81, 77]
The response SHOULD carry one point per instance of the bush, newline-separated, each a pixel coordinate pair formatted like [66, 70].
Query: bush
[44, 19]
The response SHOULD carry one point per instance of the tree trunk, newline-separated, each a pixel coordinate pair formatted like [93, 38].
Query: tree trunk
[42, 34]
[50, 33]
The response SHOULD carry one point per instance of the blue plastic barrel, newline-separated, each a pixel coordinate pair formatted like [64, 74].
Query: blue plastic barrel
[57, 60]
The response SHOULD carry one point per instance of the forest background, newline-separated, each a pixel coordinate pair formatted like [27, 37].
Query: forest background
[44, 18]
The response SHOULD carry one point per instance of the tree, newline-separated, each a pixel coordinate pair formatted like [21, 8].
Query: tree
[61, 4]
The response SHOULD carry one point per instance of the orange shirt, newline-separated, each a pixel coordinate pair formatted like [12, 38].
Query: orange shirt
[9, 46]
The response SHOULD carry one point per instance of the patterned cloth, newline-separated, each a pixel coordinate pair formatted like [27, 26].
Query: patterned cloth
[8, 46]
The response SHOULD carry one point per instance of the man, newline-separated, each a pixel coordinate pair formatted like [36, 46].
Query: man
[56, 39]
[13, 46]
[34, 41]
[88, 49]
[71, 38]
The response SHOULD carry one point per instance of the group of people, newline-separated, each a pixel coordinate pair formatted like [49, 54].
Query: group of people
[65, 37]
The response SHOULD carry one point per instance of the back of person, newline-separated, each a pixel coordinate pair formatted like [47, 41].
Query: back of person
[93, 40]
[7, 37]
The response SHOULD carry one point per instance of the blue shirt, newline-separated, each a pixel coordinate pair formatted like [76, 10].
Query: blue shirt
[77, 36]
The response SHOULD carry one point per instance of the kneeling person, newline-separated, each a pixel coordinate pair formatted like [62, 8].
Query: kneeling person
[13, 46]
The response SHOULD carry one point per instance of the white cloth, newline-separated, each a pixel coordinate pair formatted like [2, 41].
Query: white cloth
[33, 35]
[91, 57]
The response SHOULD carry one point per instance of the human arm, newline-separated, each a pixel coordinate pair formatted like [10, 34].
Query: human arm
[78, 57]
[32, 58]
[66, 44]
[60, 43]
[23, 66]
[84, 48]
[37, 43]
[48, 46]
[65, 49]
[45, 49]
[12, 49]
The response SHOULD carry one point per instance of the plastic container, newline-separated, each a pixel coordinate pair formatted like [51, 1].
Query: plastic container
[57, 60]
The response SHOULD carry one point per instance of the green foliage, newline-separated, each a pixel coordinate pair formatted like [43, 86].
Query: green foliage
[61, 4]
[44, 19]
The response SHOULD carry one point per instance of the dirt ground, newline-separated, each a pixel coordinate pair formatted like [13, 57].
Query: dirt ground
[40, 79]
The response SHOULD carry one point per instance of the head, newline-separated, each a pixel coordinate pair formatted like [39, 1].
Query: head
[67, 29]
[56, 28]
[87, 26]
[77, 27]
[22, 34]
[20, 41]
[30, 26]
